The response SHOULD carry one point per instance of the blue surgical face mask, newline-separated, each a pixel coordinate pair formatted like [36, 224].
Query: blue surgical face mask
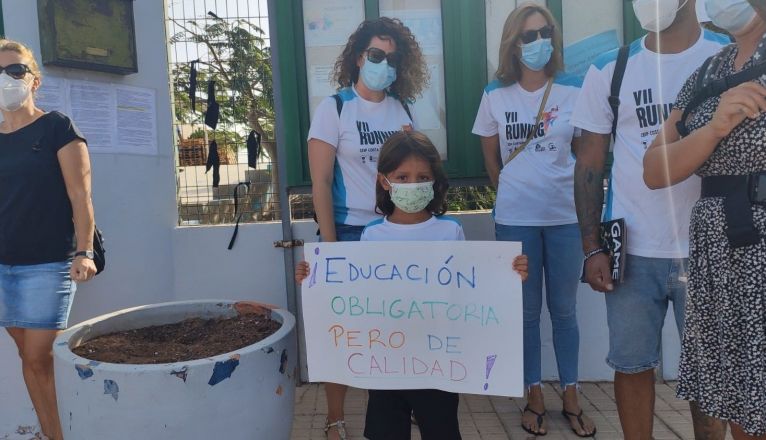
[536, 54]
[377, 77]
[730, 15]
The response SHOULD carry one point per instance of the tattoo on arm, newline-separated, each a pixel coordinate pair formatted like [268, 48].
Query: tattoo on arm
[589, 197]
[589, 187]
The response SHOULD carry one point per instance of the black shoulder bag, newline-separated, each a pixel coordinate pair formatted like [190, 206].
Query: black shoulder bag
[99, 252]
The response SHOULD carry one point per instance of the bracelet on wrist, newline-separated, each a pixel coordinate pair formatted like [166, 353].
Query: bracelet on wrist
[601, 250]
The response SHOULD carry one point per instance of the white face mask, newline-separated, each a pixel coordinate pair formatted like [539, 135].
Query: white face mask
[656, 15]
[13, 92]
[412, 197]
[730, 15]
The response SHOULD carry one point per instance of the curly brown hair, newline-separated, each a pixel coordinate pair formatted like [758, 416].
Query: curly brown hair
[398, 148]
[411, 73]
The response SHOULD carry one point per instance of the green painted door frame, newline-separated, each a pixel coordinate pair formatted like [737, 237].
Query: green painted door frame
[631, 28]
[2, 25]
[557, 10]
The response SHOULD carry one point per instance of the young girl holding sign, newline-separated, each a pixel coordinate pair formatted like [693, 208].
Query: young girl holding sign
[411, 190]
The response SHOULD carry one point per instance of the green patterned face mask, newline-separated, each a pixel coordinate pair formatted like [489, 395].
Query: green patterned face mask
[412, 197]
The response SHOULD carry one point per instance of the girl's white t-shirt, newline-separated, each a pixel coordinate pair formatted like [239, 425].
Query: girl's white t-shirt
[442, 228]
[537, 187]
[357, 135]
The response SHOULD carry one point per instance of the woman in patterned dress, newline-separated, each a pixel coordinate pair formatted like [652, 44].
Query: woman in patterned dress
[723, 360]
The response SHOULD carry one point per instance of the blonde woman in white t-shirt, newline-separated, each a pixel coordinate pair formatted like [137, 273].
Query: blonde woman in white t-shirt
[528, 146]
[380, 70]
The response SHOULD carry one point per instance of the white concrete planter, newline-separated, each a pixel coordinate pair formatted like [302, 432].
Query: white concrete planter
[244, 395]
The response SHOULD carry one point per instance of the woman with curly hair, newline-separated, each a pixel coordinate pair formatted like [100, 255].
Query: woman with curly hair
[380, 70]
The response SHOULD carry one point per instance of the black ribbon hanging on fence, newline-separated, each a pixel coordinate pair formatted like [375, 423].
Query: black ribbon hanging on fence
[237, 214]
[253, 148]
[211, 115]
[193, 85]
[214, 162]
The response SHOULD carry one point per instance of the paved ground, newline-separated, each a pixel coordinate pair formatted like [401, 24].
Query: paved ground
[497, 418]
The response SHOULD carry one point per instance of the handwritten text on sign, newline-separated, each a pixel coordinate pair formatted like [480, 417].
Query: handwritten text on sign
[409, 315]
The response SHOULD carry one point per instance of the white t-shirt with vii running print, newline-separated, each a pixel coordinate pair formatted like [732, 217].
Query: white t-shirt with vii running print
[537, 187]
[357, 135]
[657, 220]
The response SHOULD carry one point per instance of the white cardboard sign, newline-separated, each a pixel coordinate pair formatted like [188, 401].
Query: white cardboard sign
[410, 315]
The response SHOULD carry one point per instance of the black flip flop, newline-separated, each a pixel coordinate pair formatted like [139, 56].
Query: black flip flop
[539, 421]
[567, 416]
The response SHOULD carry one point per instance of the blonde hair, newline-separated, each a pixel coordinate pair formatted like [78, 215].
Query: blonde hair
[509, 66]
[26, 55]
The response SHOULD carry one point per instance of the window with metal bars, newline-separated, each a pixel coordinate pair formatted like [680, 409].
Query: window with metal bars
[225, 42]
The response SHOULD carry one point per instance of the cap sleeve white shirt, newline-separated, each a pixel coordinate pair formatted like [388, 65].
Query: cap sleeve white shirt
[357, 135]
[537, 187]
[442, 228]
[657, 220]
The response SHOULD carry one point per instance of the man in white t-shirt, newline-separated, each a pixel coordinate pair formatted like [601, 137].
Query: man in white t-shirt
[657, 222]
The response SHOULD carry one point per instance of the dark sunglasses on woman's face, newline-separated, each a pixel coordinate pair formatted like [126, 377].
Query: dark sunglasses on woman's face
[16, 71]
[376, 56]
[531, 35]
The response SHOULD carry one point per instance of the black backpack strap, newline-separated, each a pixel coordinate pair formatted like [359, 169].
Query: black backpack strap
[715, 88]
[338, 103]
[617, 77]
[696, 100]
[406, 109]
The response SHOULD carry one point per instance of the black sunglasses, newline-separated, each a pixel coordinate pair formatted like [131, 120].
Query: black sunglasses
[376, 56]
[16, 71]
[531, 35]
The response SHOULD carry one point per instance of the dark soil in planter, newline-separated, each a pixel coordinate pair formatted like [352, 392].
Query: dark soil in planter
[191, 339]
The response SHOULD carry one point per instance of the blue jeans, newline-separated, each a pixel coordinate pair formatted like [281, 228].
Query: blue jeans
[555, 252]
[37, 296]
[348, 232]
[635, 311]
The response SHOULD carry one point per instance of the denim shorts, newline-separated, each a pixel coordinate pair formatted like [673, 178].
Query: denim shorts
[636, 310]
[37, 296]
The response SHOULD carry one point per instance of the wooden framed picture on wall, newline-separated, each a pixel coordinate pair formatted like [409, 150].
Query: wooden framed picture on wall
[88, 34]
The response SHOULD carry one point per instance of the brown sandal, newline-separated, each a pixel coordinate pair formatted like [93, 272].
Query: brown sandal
[567, 415]
[540, 420]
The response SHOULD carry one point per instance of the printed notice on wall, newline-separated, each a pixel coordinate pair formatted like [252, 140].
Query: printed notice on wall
[330, 22]
[51, 96]
[411, 315]
[136, 129]
[114, 118]
[425, 24]
[320, 80]
[92, 107]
